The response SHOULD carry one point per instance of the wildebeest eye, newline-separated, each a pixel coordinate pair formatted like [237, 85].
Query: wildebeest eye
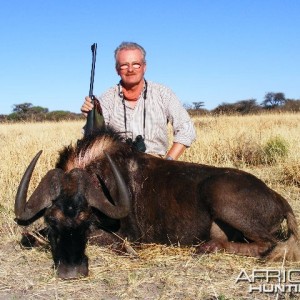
[51, 220]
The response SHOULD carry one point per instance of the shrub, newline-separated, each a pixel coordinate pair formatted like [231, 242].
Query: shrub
[275, 149]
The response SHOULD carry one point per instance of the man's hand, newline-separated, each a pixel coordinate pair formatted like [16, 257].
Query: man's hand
[87, 106]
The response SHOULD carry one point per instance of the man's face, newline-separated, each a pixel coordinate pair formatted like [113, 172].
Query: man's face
[130, 67]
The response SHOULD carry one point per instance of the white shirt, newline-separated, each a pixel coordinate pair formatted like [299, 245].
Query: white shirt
[161, 107]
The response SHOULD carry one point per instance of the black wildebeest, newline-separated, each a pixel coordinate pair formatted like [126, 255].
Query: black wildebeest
[103, 186]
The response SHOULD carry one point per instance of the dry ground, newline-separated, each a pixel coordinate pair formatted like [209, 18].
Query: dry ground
[160, 272]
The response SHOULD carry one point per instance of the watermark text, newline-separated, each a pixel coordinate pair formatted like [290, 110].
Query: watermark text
[271, 280]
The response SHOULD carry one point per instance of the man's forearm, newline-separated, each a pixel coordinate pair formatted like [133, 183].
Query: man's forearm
[176, 150]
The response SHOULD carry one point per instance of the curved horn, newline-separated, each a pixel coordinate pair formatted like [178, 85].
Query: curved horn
[47, 190]
[122, 203]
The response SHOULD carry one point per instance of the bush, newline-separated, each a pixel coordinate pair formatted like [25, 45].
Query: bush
[275, 149]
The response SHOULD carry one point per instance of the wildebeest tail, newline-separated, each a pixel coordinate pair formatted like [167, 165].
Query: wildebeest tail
[292, 225]
[290, 248]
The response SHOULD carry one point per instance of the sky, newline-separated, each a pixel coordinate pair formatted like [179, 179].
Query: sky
[210, 51]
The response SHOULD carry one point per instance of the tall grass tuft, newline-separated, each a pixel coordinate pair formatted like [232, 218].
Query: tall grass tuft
[275, 149]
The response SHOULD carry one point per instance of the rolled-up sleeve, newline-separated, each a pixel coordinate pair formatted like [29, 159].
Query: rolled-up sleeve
[183, 127]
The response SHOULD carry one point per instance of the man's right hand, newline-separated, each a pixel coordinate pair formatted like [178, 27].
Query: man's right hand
[87, 106]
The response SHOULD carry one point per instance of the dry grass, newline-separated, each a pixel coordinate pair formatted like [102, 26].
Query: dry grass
[160, 272]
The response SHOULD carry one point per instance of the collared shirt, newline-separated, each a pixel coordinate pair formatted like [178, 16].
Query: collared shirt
[159, 107]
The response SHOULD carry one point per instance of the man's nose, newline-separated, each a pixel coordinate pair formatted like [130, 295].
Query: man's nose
[130, 68]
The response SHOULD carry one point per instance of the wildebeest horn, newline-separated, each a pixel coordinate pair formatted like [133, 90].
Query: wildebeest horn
[47, 190]
[122, 202]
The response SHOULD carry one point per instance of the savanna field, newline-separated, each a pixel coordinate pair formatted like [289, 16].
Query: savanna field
[267, 146]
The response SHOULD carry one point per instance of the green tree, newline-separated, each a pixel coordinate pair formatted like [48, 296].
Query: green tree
[22, 108]
[198, 105]
[26, 111]
[273, 100]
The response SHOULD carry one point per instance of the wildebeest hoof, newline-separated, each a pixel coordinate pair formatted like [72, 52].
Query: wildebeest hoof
[209, 247]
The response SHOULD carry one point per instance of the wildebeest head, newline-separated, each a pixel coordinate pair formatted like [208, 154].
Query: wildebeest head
[66, 200]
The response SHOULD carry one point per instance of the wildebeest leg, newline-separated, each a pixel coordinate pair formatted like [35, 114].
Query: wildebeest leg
[102, 238]
[225, 238]
[246, 207]
[113, 241]
[258, 243]
[251, 239]
[216, 233]
[32, 239]
[254, 249]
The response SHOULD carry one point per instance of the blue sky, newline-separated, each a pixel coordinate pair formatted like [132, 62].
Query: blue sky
[205, 50]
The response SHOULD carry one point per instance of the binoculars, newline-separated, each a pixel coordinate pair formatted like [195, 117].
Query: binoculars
[138, 143]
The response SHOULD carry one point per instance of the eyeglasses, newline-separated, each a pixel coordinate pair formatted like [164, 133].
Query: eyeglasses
[133, 65]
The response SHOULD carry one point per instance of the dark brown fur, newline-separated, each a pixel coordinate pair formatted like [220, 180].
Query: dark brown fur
[177, 202]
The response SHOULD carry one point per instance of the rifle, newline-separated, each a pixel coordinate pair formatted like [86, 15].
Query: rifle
[94, 118]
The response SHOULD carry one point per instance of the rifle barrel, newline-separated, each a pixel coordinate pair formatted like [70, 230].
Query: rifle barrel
[94, 54]
[91, 114]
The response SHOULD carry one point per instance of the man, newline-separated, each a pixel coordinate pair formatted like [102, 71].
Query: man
[142, 109]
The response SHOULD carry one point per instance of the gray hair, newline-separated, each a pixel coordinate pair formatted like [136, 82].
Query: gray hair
[130, 46]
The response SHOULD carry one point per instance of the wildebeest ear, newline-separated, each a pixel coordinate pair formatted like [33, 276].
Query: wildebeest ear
[47, 190]
[98, 200]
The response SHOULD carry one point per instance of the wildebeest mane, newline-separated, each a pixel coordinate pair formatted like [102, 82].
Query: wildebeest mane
[106, 131]
[90, 147]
